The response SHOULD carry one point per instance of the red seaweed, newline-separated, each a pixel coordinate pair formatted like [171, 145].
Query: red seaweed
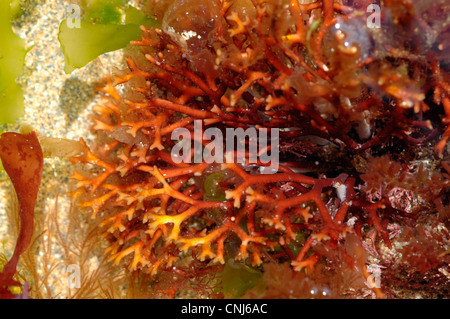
[363, 114]
[22, 158]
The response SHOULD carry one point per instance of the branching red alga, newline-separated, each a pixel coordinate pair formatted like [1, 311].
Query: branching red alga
[318, 73]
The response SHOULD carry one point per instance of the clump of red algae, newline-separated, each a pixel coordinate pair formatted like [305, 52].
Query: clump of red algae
[343, 275]
[358, 112]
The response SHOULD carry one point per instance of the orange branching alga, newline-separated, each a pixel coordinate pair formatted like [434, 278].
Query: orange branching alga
[348, 99]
